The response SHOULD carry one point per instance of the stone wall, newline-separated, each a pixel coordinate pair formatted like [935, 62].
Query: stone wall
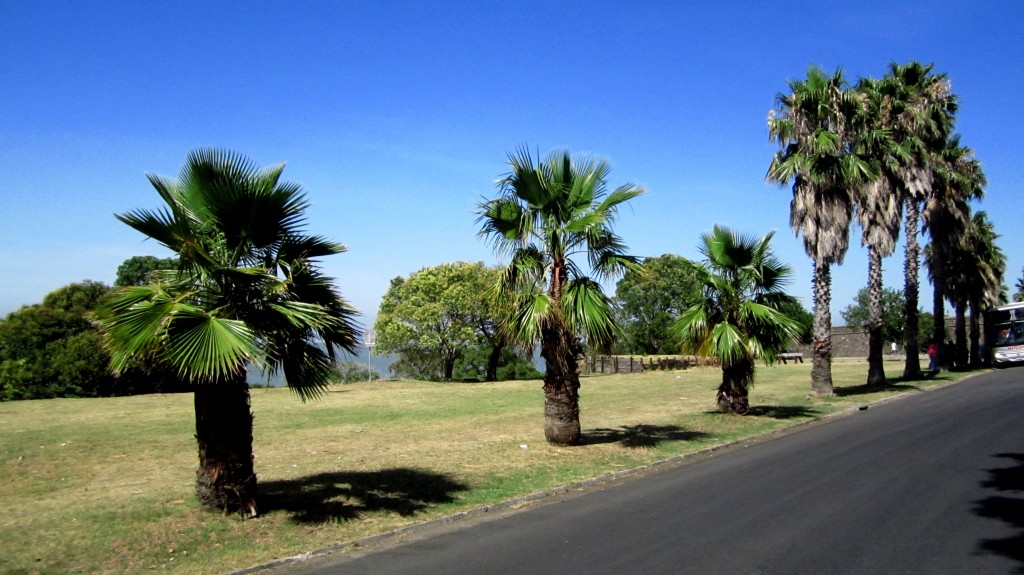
[847, 342]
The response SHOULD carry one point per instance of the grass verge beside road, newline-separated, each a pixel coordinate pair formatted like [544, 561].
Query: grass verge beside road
[106, 485]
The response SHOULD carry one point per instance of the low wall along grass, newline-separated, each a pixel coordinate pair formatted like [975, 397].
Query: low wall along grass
[106, 485]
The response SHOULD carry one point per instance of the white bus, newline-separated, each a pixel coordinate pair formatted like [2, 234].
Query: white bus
[1004, 329]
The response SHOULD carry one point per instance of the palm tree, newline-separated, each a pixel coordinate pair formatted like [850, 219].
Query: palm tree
[810, 126]
[548, 213]
[1019, 294]
[916, 107]
[947, 216]
[981, 264]
[738, 321]
[878, 208]
[247, 291]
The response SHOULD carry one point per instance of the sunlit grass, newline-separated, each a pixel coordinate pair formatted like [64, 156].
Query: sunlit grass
[106, 485]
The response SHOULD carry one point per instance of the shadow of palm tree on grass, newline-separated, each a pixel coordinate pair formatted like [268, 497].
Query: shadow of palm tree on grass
[637, 436]
[1010, 510]
[773, 411]
[346, 495]
[866, 389]
[782, 411]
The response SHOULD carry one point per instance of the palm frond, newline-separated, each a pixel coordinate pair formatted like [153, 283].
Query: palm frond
[589, 311]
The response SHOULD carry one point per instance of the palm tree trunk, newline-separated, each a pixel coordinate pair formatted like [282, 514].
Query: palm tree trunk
[912, 364]
[961, 334]
[821, 350]
[939, 314]
[876, 371]
[225, 478]
[975, 334]
[561, 351]
[733, 393]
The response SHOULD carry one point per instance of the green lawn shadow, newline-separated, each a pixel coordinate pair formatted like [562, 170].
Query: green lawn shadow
[346, 495]
[639, 436]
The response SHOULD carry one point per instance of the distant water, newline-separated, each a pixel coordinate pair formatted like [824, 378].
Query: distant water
[380, 363]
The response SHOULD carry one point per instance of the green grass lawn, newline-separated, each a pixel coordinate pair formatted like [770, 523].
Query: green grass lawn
[106, 485]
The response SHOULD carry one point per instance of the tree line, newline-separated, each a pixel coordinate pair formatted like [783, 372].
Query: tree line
[884, 154]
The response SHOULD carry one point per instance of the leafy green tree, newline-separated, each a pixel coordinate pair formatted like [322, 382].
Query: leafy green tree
[549, 215]
[248, 290]
[738, 321]
[136, 270]
[858, 314]
[810, 125]
[435, 314]
[52, 349]
[1019, 295]
[648, 299]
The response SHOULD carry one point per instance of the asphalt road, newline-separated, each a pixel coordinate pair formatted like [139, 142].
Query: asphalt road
[932, 483]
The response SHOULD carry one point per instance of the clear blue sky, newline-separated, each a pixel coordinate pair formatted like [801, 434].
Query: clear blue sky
[397, 117]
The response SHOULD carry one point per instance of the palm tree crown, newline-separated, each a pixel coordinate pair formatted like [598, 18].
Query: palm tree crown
[247, 289]
[548, 213]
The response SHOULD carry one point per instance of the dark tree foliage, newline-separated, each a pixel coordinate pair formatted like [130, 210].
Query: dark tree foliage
[649, 299]
[79, 298]
[792, 309]
[53, 349]
[472, 364]
[136, 270]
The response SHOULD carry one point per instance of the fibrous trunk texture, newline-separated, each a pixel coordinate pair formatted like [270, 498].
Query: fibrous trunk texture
[975, 334]
[912, 365]
[821, 352]
[939, 313]
[225, 478]
[960, 358]
[732, 394]
[876, 371]
[561, 351]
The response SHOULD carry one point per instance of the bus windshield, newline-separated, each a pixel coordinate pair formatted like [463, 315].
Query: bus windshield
[1008, 327]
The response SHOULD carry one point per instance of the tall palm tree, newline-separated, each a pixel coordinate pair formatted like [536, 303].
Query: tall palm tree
[810, 126]
[1019, 294]
[917, 109]
[737, 321]
[982, 265]
[878, 207]
[247, 291]
[947, 216]
[548, 213]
